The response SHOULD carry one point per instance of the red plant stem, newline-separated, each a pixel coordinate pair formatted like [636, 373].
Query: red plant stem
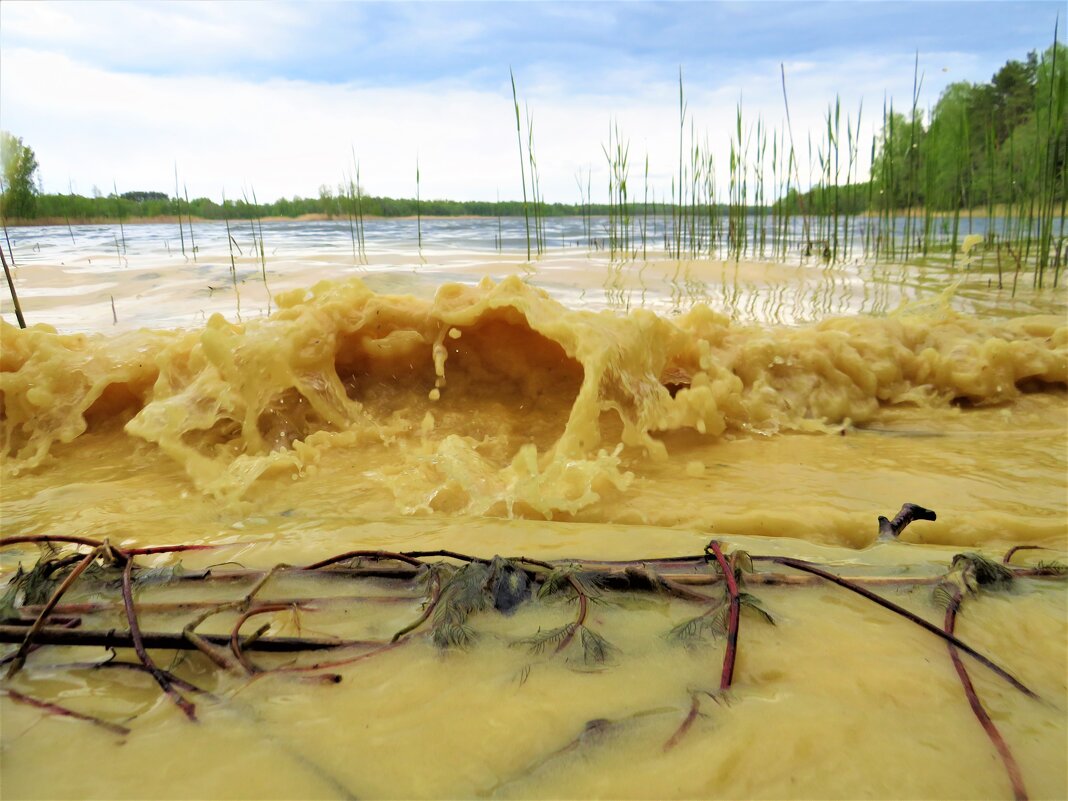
[461, 557]
[173, 641]
[733, 621]
[175, 680]
[62, 711]
[139, 648]
[235, 633]
[1012, 551]
[51, 538]
[45, 538]
[389, 646]
[797, 564]
[151, 549]
[1013, 769]
[688, 721]
[435, 598]
[306, 602]
[20, 655]
[580, 618]
[377, 555]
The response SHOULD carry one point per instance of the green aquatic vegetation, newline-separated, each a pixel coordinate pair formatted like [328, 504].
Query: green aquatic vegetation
[522, 167]
[455, 589]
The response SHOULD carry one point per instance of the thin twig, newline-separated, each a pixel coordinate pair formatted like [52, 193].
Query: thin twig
[365, 554]
[435, 597]
[389, 646]
[11, 288]
[306, 602]
[138, 645]
[93, 543]
[1012, 551]
[727, 676]
[1013, 769]
[687, 722]
[62, 711]
[580, 618]
[235, 633]
[919, 621]
[173, 641]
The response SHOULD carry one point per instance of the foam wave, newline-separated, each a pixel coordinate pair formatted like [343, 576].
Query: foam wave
[496, 398]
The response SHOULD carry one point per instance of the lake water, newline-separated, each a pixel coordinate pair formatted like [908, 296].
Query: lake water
[573, 407]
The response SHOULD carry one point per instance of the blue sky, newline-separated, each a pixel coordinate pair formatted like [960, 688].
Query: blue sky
[273, 95]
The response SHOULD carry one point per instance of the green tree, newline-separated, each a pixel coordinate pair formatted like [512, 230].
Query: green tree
[19, 167]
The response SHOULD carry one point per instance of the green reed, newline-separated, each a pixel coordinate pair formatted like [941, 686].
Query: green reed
[645, 210]
[256, 225]
[418, 207]
[500, 233]
[189, 216]
[233, 263]
[178, 202]
[11, 282]
[118, 212]
[361, 237]
[349, 191]
[522, 166]
[617, 153]
[535, 188]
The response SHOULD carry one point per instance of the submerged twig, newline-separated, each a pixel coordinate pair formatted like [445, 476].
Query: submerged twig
[734, 620]
[798, 564]
[1015, 548]
[170, 641]
[428, 610]
[580, 617]
[687, 722]
[138, 645]
[62, 711]
[365, 554]
[1011, 767]
[235, 632]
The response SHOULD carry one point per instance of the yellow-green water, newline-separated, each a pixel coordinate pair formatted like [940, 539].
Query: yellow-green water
[491, 418]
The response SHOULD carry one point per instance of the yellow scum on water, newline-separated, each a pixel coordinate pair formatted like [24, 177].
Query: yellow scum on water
[557, 393]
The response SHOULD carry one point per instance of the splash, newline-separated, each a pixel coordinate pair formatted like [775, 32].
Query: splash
[494, 399]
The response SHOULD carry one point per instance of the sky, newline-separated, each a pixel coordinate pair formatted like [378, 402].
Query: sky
[275, 96]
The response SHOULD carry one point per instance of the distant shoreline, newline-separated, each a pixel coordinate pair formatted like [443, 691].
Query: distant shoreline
[171, 219]
[1000, 211]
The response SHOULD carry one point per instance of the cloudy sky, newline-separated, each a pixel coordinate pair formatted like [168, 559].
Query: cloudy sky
[274, 95]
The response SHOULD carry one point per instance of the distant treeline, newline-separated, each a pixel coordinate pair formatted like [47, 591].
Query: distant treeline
[983, 145]
[156, 204]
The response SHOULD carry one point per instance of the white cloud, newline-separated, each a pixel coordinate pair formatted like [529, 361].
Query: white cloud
[157, 36]
[96, 124]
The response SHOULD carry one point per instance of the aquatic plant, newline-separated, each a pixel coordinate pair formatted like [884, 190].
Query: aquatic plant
[178, 202]
[453, 595]
[522, 168]
[968, 573]
[11, 289]
[233, 264]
